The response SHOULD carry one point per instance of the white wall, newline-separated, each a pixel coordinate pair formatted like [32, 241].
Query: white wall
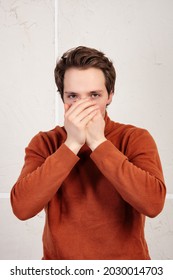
[137, 35]
[27, 105]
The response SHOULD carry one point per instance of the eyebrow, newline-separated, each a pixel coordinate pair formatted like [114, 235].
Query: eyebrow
[97, 90]
[92, 91]
[70, 92]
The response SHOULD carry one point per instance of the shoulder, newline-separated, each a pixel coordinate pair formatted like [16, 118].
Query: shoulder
[48, 141]
[126, 130]
[132, 131]
[130, 137]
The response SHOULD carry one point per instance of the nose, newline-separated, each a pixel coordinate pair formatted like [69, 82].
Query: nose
[84, 98]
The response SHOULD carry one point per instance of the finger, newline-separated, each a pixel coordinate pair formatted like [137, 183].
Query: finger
[66, 107]
[99, 114]
[79, 106]
[86, 112]
[89, 117]
[77, 103]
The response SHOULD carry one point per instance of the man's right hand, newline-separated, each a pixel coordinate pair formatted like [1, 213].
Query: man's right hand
[76, 118]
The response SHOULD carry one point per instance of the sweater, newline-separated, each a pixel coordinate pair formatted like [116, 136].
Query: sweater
[95, 202]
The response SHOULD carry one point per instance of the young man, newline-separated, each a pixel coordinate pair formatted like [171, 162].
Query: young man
[96, 179]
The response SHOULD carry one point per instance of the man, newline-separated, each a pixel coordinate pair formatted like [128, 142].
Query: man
[96, 179]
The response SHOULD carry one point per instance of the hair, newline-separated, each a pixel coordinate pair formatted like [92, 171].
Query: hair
[84, 58]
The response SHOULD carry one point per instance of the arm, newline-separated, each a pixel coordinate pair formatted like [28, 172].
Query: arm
[41, 177]
[43, 174]
[137, 177]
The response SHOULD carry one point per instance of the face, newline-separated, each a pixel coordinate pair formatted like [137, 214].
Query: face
[88, 83]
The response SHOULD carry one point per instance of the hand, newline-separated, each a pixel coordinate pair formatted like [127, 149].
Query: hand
[95, 131]
[76, 118]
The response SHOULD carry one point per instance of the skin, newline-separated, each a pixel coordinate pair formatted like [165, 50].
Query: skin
[85, 101]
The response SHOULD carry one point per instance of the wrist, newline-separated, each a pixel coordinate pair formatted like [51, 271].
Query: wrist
[73, 146]
[95, 144]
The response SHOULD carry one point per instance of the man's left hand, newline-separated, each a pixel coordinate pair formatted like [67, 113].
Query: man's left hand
[95, 131]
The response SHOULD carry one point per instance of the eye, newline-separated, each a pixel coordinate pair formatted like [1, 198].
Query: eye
[72, 96]
[95, 95]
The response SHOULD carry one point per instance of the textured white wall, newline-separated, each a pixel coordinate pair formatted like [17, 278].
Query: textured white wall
[27, 105]
[137, 35]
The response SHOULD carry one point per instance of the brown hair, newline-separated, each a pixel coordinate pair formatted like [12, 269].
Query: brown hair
[84, 58]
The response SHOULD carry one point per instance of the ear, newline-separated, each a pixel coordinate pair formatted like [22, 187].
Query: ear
[110, 98]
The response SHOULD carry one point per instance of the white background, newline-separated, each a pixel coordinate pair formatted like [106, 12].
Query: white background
[138, 36]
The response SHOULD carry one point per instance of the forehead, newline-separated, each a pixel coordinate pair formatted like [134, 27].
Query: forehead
[83, 78]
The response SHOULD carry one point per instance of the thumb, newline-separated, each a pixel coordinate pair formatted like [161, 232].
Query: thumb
[66, 107]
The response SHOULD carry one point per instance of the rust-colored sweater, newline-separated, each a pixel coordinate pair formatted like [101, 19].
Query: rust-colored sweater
[95, 202]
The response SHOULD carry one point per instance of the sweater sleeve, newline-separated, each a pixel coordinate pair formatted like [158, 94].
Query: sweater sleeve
[136, 174]
[41, 177]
